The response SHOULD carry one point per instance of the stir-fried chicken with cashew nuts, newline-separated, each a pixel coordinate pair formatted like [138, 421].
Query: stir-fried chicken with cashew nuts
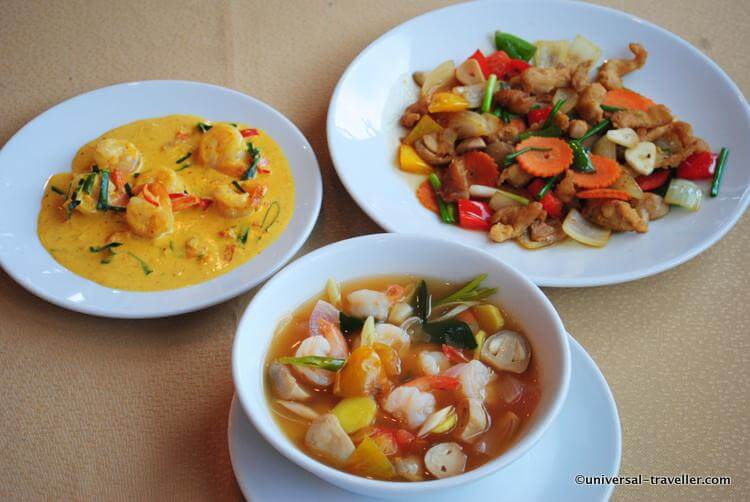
[403, 380]
[535, 143]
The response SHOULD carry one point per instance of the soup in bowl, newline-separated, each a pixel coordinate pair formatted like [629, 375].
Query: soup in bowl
[394, 364]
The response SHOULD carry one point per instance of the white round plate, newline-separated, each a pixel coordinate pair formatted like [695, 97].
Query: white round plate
[46, 146]
[364, 130]
[584, 439]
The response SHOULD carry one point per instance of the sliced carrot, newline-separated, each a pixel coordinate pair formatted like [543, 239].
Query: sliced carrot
[603, 193]
[607, 172]
[625, 98]
[481, 168]
[544, 164]
[426, 196]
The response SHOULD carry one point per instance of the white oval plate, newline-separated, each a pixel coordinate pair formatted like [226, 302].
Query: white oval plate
[47, 144]
[584, 439]
[363, 130]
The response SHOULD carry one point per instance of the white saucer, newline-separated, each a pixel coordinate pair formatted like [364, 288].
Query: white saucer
[585, 439]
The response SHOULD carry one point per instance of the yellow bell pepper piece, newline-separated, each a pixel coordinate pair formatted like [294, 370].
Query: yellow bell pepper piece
[426, 125]
[369, 461]
[354, 413]
[489, 317]
[447, 102]
[480, 337]
[362, 375]
[410, 161]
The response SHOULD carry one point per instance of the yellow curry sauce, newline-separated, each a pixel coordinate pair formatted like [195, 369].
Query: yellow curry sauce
[205, 240]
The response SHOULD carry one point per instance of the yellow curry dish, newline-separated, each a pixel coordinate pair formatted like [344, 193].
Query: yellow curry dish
[167, 202]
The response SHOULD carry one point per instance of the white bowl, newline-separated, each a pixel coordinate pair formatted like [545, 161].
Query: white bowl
[25, 168]
[400, 254]
[364, 131]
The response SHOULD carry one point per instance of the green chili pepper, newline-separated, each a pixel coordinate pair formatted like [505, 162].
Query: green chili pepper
[489, 92]
[611, 109]
[326, 363]
[513, 46]
[581, 160]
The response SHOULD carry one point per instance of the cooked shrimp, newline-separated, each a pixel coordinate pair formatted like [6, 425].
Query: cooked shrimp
[473, 377]
[368, 303]
[432, 362]
[111, 154]
[332, 333]
[164, 175]
[149, 214]
[222, 148]
[393, 336]
[284, 384]
[314, 346]
[232, 203]
[410, 404]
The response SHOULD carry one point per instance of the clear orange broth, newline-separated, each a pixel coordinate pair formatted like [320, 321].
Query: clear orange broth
[289, 336]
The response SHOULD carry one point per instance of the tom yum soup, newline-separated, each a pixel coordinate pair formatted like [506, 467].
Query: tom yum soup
[402, 379]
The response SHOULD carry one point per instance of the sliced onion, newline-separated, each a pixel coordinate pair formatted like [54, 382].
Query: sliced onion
[525, 241]
[438, 77]
[582, 49]
[472, 93]
[579, 228]
[299, 409]
[627, 184]
[411, 326]
[322, 311]
[482, 191]
[333, 291]
[504, 199]
[453, 312]
[684, 193]
[569, 95]
[605, 148]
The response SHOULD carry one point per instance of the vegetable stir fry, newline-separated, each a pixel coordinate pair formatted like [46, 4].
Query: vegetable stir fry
[525, 145]
[402, 379]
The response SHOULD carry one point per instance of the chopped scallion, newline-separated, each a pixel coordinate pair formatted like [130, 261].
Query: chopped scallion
[144, 266]
[721, 163]
[57, 190]
[183, 158]
[203, 126]
[104, 192]
[98, 249]
[489, 92]
[238, 186]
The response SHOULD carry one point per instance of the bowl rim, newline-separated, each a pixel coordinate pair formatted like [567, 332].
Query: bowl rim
[283, 445]
[614, 278]
[309, 211]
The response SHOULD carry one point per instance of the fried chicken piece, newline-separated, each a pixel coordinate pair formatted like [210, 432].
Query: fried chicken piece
[565, 189]
[562, 121]
[514, 100]
[548, 231]
[437, 148]
[537, 80]
[514, 175]
[577, 128]
[510, 222]
[653, 204]
[654, 116]
[414, 112]
[589, 103]
[498, 150]
[616, 215]
[579, 79]
[455, 181]
[611, 72]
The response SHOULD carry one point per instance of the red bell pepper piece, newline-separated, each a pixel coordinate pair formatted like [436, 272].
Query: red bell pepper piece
[497, 63]
[653, 180]
[538, 115]
[479, 58]
[549, 202]
[246, 133]
[699, 166]
[474, 215]
[453, 354]
[516, 67]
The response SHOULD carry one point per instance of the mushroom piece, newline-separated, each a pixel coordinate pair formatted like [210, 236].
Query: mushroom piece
[507, 351]
[473, 419]
[299, 409]
[445, 459]
[470, 144]
[284, 383]
[429, 149]
[327, 438]
[409, 468]
[470, 72]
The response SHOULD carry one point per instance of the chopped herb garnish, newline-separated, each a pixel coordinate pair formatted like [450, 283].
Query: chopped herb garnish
[183, 158]
[721, 163]
[104, 192]
[551, 116]
[551, 131]
[233, 124]
[57, 190]
[183, 166]
[98, 249]
[469, 292]
[243, 236]
[513, 156]
[254, 159]
[238, 186]
[204, 127]
[128, 189]
[117, 209]
[136, 175]
[547, 187]
[88, 184]
[72, 205]
[144, 266]
[611, 109]
[274, 215]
